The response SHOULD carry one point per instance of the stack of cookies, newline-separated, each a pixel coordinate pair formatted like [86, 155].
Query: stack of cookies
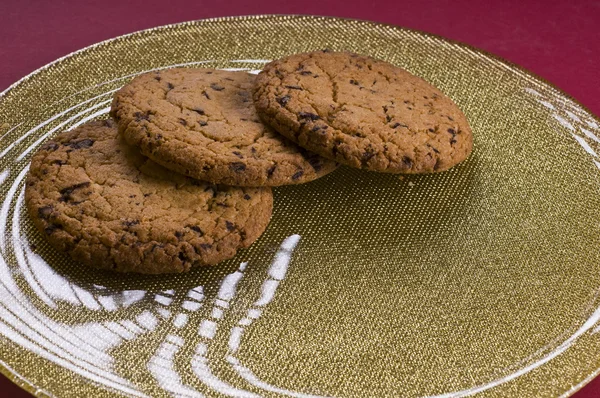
[181, 175]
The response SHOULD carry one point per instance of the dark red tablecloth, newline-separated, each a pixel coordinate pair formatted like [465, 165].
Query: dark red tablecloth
[557, 40]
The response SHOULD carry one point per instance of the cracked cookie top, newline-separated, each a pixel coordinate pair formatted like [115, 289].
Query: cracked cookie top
[202, 123]
[362, 112]
[109, 207]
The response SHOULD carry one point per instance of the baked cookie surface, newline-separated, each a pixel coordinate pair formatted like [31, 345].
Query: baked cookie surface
[362, 112]
[202, 123]
[98, 199]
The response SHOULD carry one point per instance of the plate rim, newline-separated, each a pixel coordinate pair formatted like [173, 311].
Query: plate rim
[28, 386]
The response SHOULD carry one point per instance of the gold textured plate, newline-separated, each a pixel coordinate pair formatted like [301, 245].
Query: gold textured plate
[483, 279]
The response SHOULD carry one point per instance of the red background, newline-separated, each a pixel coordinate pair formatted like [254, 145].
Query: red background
[557, 40]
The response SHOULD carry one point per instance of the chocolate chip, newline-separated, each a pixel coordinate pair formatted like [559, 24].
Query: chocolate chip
[308, 115]
[354, 82]
[202, 123]
[66, 192]
[451, 131]
[449, 118]
[367, 155]
[199, 111]
[298, 174]
[247, 197]
[436, 165]
[388, 118]
[452, 141]
[81, 144]
[305, 73]
[170, 86]
[44, 212]
[130, 223]
[58, 162]
[52, 228]
[334, 149]
[50, 146]
[182, 121]
[283, 100]
[178, 234]
[197, 229]
[238, 154]
[157, 78]
[407, 162]
[217, 87]
[252, 149]
[238, 167]
[229, 225]
[205, 246]
[139, 116]
[204, 93]
[294, 87]
[396, 125]
[278, 73]
[435, 150]
[182, 256]
[271, 170]
[431, 130]
[222, 204]
[245, 96]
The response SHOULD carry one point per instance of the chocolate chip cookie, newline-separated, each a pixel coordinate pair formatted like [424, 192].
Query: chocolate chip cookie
[109, 207]
[202, 123]
[362, 112]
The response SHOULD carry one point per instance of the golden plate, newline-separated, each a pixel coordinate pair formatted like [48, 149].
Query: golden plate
[484, 279]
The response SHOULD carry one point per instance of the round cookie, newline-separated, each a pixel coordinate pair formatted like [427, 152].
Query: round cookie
[362, 112]
[100, 200]
[202, 123]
